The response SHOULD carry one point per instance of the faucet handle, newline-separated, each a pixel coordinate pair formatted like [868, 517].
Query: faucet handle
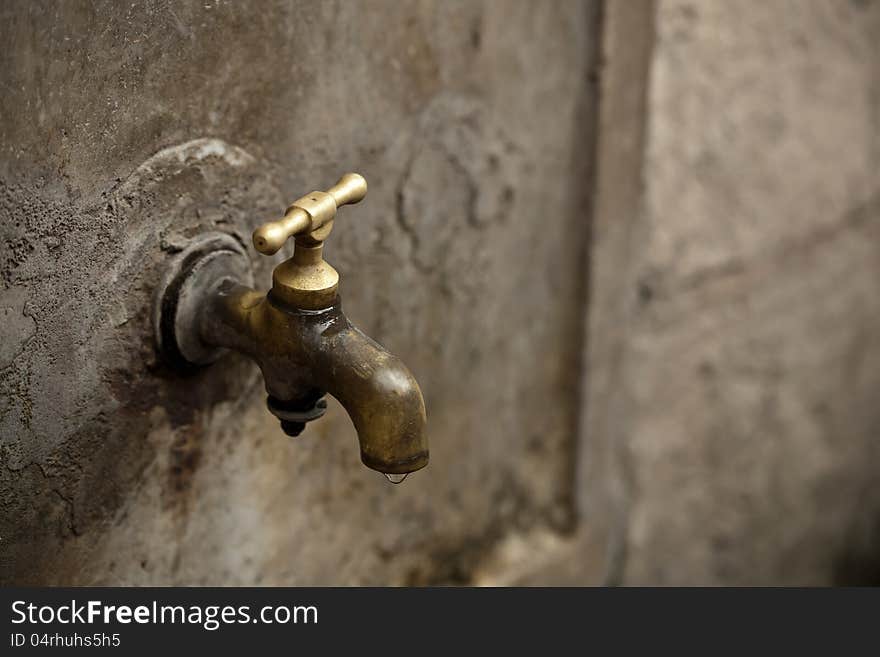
[348, 190]
[311, 214]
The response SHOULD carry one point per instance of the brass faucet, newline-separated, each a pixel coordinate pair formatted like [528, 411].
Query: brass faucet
[296, 333]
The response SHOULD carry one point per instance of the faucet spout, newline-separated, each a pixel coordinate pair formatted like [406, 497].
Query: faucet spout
[381, 396]
[306, 353]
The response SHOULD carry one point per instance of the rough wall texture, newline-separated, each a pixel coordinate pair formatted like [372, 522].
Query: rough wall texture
[732, 356]
[735, 321]
[126, 128]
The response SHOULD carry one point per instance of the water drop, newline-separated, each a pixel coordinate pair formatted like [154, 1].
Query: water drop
[396, 478]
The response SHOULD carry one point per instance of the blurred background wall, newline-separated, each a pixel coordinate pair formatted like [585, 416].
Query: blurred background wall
[631, 253]
[733, 424]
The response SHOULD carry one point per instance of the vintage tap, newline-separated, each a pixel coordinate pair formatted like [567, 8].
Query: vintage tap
[296, 333]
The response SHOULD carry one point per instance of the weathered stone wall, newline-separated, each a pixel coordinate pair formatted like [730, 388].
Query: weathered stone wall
[722, 426]
[733, 431]
[126, 128]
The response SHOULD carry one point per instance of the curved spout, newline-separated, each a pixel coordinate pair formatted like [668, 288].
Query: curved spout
[305, 353]
[381, 397]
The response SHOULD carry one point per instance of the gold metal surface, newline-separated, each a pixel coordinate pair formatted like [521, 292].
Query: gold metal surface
[309, 213]
[304, 354]
[305, 280]
[297, 333]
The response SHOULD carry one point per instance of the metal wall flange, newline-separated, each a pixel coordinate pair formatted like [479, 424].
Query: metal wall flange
[206, 261]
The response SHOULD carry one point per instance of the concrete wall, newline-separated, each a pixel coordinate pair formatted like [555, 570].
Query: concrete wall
[126, 128]
[733, 431]
[702, 227]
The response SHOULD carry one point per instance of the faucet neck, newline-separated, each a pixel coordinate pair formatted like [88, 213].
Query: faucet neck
[306, 280]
